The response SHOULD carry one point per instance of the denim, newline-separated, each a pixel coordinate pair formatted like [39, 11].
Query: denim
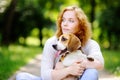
[26, 76]
[90, 74]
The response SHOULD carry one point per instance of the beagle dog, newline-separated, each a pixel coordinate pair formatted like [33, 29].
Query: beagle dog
[69, 47]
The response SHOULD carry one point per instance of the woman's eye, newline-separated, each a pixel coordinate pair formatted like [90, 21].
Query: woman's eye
[63, 20]
[71, 21]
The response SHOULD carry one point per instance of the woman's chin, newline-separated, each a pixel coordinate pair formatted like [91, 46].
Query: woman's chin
[66, 32]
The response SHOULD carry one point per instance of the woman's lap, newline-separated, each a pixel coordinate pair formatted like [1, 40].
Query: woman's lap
[89, 74]
[26, 76]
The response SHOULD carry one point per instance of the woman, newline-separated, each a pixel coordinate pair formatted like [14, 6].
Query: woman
[71, 20]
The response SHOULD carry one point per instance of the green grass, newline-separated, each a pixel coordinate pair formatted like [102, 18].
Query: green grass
[112, 61]
[13, 57]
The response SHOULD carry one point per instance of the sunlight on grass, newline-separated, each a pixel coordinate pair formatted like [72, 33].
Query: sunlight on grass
[15, 56]
[112, 61]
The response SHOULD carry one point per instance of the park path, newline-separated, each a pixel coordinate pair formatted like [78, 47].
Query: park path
[33, 67]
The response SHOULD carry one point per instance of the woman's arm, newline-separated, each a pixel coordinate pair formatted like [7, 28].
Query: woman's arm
[47, 64]
[96, 64]
[59, 74]
[48, 57]
[75, 69]
[93, 50]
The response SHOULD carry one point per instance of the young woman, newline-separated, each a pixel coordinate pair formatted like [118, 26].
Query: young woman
[71, 20]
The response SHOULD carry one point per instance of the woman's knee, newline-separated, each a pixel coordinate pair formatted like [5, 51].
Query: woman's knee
[90, 74]
[27, 76]
[21, 76]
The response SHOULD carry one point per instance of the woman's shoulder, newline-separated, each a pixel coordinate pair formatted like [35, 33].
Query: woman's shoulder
[91, 43]
[52, 39]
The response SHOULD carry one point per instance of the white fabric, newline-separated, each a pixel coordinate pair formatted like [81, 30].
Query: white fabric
[27, 76]
[91, 49]
[70, 58]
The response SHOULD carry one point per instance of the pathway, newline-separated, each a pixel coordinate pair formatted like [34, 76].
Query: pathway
[33, 67]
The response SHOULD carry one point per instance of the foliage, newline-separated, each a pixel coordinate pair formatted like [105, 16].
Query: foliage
[20, 17]
[112, 61]
[13, 57]
[109, 24]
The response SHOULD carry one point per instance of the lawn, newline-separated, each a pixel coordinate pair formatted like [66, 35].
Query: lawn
[112, 61]
[13, 57]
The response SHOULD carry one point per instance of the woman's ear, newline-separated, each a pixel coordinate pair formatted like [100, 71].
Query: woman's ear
[73, 43]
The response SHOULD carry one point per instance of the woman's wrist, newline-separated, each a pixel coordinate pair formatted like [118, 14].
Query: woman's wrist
[92, 64]
[85, 63]
[68, 70]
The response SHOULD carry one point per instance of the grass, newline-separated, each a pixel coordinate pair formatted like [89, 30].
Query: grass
[13, 57]
[112, 61]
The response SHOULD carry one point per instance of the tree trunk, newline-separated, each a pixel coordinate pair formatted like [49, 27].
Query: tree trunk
[41, 37]
[7, 23]
[93, 4]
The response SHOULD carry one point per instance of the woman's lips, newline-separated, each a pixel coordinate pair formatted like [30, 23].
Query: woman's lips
[64, 29]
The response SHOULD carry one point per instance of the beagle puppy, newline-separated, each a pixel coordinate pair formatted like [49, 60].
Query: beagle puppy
[69, 47]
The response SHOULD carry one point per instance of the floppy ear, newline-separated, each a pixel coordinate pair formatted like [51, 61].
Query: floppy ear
[73, 43]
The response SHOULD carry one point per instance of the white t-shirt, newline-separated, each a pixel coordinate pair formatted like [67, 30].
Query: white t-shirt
[91, 49]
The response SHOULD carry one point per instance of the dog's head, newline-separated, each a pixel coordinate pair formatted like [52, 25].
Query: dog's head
[68, 41]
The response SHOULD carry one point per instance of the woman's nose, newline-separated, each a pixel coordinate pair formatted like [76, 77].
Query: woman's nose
[65, 23]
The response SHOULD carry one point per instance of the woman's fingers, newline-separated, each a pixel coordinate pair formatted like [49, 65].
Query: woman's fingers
[76, 68]
[78, 61]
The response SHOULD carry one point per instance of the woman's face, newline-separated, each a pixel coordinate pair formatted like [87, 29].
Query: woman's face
[70, 22]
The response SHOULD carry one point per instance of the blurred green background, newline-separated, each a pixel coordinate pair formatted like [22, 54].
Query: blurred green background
[25, 25]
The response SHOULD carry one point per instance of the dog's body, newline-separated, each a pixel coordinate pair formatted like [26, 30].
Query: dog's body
[70, 47]
[70, 58]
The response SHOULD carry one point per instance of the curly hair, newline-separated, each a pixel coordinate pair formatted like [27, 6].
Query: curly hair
[85, 27]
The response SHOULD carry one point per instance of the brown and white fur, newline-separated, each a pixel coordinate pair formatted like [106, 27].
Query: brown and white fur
[70, 47]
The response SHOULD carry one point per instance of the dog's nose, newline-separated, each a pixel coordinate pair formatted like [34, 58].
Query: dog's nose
[54, 46]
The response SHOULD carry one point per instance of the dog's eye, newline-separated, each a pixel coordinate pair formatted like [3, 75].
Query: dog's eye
[63, 39]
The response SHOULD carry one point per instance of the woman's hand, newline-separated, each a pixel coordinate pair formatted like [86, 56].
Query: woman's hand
[59, 65]
[76, 68]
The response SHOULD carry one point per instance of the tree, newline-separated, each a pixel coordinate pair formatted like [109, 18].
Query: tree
[109, 24]
[24, 15]
[7, 22]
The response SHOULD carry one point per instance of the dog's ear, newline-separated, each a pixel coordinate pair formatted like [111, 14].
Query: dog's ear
[73, 43]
